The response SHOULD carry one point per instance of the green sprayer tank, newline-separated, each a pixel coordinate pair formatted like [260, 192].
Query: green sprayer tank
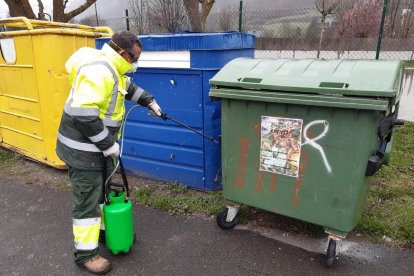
[118, 223]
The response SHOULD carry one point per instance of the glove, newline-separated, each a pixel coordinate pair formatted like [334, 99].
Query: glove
[112, 151]
[155, 109]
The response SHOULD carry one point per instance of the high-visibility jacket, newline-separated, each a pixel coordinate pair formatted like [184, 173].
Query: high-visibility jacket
[95, 108]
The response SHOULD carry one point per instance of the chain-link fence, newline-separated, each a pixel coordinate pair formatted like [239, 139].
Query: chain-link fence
[301, 33]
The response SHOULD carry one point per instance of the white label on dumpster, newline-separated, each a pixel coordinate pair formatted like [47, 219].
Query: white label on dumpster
[280, 145]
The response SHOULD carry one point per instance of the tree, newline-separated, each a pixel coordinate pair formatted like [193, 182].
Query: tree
[197, 16]
[89, 20]
[366, 18]
[393, 13]
[167, 15]
[286, 29]
[325, 8]
[362, 20]
[138, 8]
[23, 8]
[407, 20]
[20, 8]
[343, 28]
[226, 19]
[313, 30]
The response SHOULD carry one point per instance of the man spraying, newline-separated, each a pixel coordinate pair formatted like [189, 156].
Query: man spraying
[88, 132]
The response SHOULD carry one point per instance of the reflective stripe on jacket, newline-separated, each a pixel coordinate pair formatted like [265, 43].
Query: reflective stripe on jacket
[95, 108]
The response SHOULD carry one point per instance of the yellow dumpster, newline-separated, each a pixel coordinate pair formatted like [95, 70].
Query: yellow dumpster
[33, 82]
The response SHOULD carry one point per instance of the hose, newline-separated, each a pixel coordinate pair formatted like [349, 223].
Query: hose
[122, 144]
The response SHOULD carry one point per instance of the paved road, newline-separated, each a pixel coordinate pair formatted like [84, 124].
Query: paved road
[36, 240]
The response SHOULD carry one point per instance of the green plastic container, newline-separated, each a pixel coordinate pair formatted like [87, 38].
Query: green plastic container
[297, 134]
[119, 228]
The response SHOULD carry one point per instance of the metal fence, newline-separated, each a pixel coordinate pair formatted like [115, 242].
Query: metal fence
[292, 33]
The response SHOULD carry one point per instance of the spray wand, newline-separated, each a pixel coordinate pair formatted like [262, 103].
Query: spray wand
[164, 116]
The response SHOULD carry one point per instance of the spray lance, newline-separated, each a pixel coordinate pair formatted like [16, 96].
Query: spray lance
[165, 117]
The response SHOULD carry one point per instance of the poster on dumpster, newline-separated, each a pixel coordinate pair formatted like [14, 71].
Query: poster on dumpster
[280, 145]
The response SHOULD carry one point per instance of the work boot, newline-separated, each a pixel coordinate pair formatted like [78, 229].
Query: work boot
[98, 265]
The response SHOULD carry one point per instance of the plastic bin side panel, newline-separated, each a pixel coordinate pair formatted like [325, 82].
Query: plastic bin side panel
[176, 91]
[162, 149]
[330, 188]
[20, 117]
[212, 128]
[51, 53]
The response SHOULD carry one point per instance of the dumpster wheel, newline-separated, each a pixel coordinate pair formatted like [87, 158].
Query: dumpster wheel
[221, 220]
[330, 253]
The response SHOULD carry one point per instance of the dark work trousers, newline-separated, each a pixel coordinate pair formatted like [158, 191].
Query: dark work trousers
[86, 211]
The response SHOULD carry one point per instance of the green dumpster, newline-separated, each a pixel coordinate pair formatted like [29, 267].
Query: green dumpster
[302, 138]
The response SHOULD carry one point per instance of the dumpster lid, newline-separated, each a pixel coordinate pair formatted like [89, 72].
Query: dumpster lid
[197, 41]
[346, 77]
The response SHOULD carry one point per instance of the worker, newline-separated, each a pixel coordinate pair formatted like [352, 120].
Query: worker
[88, 132]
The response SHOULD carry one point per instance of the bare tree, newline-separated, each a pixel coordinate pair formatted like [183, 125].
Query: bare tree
[59, 7]
[197, 16]
[20, 8]
[168, 15]
[23, 8]
[312, 31]
[343, 28]
[137, 20]
[394, 11]
[226, 17]
[325, 8]
[407, 20]
[89, 20]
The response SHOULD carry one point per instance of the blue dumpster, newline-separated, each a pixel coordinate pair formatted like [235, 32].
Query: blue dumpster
[176, 69]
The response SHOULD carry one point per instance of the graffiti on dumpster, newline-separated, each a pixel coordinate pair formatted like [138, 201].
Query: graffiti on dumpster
[280, 145]
[312, 141]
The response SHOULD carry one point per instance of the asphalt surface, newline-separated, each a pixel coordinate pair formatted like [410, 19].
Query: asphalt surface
[36, 239]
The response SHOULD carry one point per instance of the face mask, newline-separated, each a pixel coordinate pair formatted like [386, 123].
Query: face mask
[133, 68]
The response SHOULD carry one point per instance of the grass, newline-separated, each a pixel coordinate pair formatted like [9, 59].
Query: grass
[389, 209]
[409, 63]
[7, 158]
[178, 199]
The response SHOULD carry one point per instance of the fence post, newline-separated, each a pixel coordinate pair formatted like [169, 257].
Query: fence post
[127, 19]
[384, 12]
[240, 15]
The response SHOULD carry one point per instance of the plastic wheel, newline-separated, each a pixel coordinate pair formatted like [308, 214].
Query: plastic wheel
[330, 253]
[221, 220]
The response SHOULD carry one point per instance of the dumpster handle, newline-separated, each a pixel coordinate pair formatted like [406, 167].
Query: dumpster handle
[16, 21]
[31, 23]
[385, 131]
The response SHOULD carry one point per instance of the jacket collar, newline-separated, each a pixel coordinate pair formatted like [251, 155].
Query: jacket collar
[121, 65]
